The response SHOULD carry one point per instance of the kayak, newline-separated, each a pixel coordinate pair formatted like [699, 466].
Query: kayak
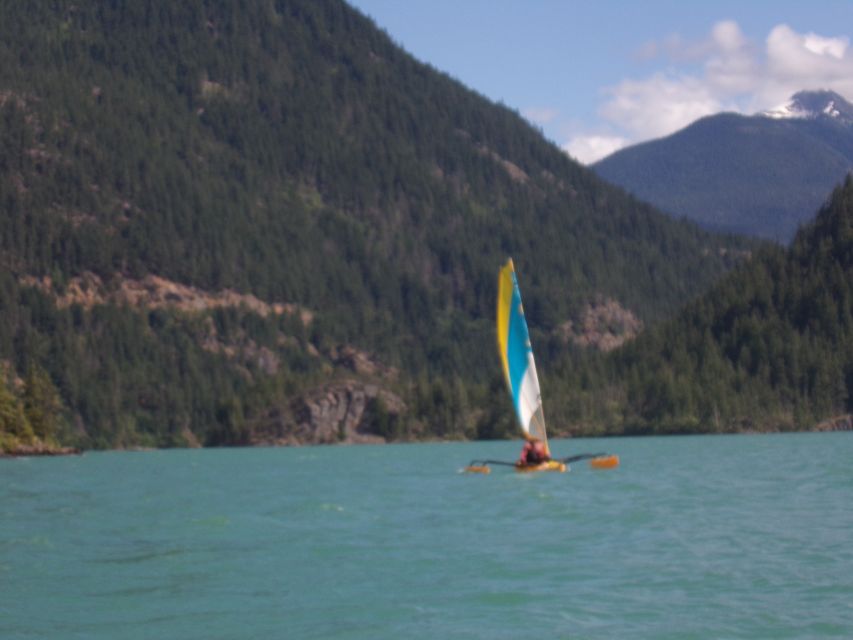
[596, 461]
[482, 466]
[549, 465]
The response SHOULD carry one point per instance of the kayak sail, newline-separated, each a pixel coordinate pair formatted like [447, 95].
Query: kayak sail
[516, 355]
[520, 374]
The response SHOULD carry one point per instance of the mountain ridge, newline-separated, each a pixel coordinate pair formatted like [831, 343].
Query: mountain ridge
[757, 175]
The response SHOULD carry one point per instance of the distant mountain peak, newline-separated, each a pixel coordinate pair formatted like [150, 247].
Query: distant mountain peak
[810, 105]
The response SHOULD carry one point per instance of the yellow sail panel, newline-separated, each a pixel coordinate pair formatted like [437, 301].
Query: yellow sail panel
[505, 287]
[517, 356]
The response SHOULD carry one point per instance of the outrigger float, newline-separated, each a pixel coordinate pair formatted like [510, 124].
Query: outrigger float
[519, 370]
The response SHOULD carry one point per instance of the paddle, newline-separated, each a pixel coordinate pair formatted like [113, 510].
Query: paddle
[582, 456]
[479, 463]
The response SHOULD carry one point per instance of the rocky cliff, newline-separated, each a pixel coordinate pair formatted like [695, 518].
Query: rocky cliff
[342, 412]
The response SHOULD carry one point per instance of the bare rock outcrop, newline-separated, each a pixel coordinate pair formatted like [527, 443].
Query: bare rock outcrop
[838, 423]
[361, 362]
[604, 324]
[154, 292]
[39, 448]
[335, 413]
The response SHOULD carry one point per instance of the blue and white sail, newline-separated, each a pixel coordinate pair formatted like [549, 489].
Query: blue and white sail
[517, 356]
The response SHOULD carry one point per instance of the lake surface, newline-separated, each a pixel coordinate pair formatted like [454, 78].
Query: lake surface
[692, 537]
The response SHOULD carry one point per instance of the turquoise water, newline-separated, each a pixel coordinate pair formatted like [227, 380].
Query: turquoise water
[692, 537]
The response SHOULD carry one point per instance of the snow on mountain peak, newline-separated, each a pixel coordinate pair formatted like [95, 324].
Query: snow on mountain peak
[813, 104]
[830, 109]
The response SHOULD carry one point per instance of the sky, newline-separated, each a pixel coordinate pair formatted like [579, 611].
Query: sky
[598, 75]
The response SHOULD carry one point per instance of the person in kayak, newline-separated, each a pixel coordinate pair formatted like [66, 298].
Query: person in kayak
[533, 452]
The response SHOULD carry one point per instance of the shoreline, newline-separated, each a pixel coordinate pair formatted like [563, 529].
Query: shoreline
[40, 450]
[838, 424]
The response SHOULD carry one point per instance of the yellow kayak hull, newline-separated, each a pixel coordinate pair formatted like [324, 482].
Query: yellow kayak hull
[550, 465]
[600, 462]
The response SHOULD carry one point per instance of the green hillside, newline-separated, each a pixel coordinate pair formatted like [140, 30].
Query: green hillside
[769, 348]
[156, 156]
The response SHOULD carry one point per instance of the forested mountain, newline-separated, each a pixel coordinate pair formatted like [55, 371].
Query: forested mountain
[769, 347]
[762, 175]
[226, 222]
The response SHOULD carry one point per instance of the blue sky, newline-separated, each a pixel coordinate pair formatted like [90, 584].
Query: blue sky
[596, 75]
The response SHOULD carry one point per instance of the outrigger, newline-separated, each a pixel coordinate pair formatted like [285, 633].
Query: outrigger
[596, 461]
[519, 370]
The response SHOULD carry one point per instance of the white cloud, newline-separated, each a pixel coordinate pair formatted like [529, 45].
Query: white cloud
[727, 36]
[731, 64]
[659, 105]
[834, 47]
[808, 61]
[724, 71]
[588, 149]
